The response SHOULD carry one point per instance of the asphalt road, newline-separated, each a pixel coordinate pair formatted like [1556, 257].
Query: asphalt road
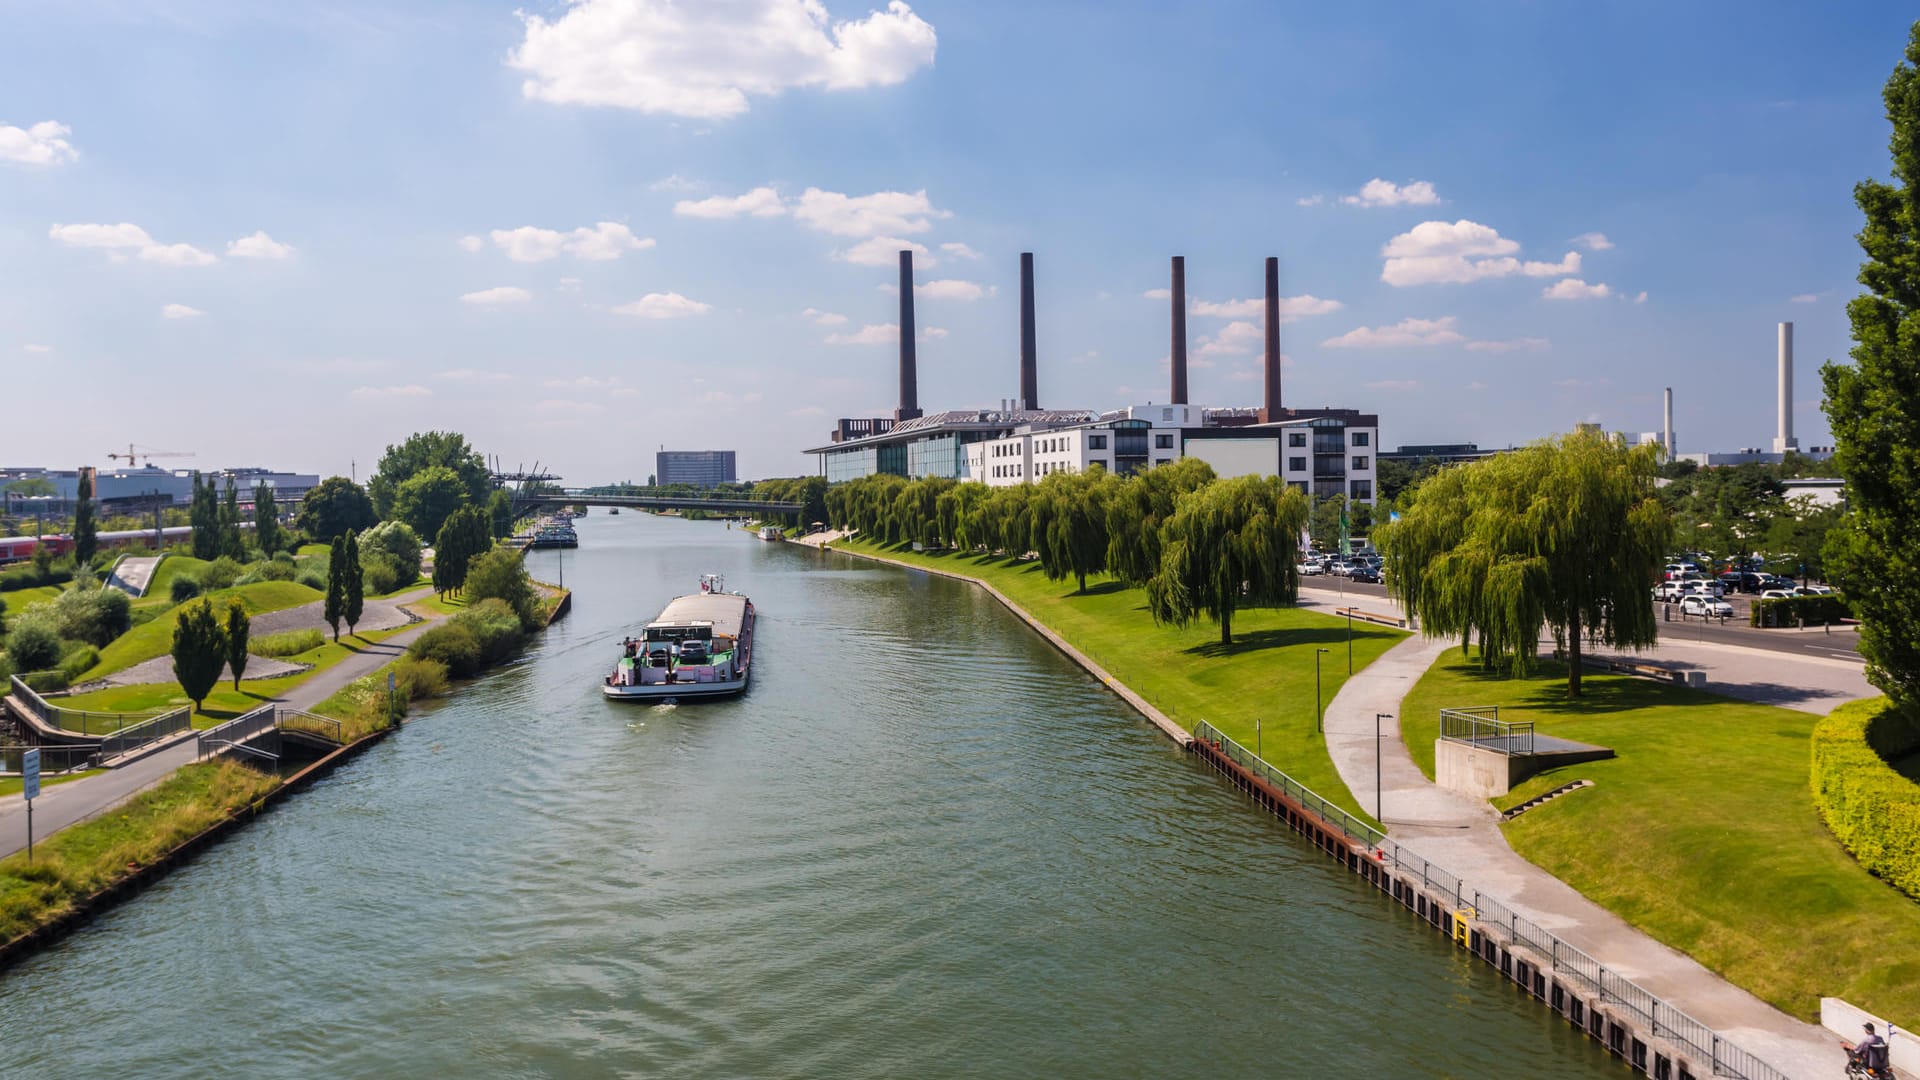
[1839, 644]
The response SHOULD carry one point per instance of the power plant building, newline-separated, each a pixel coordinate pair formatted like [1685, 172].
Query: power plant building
[1323, 452]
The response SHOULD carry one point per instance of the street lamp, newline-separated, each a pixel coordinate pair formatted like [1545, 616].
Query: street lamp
[1319, 720]
[1377, 812]
[1349, 641]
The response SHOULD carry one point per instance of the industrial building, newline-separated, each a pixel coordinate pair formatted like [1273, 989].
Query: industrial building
[1323, 451]
[700, 468]
[140, 490]
[1784, 441]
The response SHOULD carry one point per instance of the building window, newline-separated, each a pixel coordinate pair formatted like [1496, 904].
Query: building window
[1163, 442]
[1296, 464]
[1363, 489]
[1359, 462]
[1296, 438]
[1166, 414]
[1096, 442]
[1359, 438]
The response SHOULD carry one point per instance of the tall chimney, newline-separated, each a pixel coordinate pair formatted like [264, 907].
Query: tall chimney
[1179, 330]
[1271, 411]
[909, 373]
[1784, 441]
[1666, 439]
[1029, 365]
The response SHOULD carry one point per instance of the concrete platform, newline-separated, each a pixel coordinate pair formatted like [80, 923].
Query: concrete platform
[1494, 766]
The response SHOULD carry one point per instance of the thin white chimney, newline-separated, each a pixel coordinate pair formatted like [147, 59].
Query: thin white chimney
[1784, 441]
[1667, 432]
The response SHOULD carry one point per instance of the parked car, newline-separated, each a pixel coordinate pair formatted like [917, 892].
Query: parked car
[1814, 590]
[1309, 569]
[1777, 594]
[1668, 592]
[1338, 568]
[1706, 607]
[1366, 574]
[1704, 588]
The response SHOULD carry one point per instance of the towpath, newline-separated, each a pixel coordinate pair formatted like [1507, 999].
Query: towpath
[76, 801]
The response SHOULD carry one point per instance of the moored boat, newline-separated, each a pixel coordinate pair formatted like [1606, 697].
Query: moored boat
[772, 532]
[700, 645]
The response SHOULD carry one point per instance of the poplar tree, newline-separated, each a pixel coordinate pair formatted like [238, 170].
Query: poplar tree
[239, 627]
[1229, 545]
[266, 519]
[86, 538]
[199, 651]
[204, 515]
[1566, 533]
[354, 582]
[231, 543]
[1874, 409]
[336, 605]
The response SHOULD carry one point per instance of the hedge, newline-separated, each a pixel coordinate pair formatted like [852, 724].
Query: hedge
[1800, 611]
[1873, 811]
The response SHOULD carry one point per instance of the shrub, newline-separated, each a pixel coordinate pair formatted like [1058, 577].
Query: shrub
[35, 574]
[452, 645]
[45, 682]
[33, 646]
[378, 574]
[185, 587]
[313, 578]
[397, 541]
[221, 573]
[1800, 611]
[478, 638]
[417, 677]
[1872, 810]
[79, 659]
[501, 574]
[287, 643]
[272, 570]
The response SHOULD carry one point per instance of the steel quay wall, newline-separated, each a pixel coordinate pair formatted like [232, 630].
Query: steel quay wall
[1653, 1037]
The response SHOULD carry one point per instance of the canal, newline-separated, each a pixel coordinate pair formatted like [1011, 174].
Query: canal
[922, 845]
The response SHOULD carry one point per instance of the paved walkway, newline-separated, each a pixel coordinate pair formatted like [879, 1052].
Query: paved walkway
[1462, 835]
[383, 614]
[77, 800]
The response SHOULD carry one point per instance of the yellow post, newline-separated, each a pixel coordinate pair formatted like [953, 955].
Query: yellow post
[1462, 936]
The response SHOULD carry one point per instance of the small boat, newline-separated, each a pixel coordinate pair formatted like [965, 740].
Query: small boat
[699, 646]
[772, 532]
[613, 509]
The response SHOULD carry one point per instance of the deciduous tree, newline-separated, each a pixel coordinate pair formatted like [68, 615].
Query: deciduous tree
[428, 498]
[337, 507]
[232, 544]
[266, 519]
[421, 451]
[353, 582]
[238, 627]
[199, 650]
[336, 603]
[204, 515]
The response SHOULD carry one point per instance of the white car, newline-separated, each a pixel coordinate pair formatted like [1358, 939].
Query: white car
[1778, 594]
[1706, 607]
[1814, 590]
[1309, 569]
[1338, 568]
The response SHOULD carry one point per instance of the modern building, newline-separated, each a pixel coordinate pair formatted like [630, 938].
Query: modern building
[139, 490]
[1320, 451]
[700, 468]
[1443, 453]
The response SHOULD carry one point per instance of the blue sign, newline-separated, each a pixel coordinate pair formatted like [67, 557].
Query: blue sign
[30, 773]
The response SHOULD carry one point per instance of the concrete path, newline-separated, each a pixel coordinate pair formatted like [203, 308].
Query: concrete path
[160, 670]
[133, 575]
[77, 800]
[1462, 835]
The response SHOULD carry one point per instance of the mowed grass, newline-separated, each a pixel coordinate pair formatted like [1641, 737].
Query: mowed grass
[82, 859]
[1266, 675]
[155, 638]
[18, 600]
[13, 785]
[1701, 832]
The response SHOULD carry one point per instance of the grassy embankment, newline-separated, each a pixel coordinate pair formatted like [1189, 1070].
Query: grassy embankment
[18, 600]
[13, 785]
[155, 638]
[1701, 832]
[82, 859]
[1267, 674]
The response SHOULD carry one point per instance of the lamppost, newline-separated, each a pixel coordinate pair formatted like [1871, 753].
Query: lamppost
[1319, 720]
[1349, 641]
[1377, 812]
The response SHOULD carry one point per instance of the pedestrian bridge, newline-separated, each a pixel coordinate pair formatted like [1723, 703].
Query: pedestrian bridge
[726, 504]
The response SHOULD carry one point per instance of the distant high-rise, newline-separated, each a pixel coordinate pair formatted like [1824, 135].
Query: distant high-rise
[700, 468]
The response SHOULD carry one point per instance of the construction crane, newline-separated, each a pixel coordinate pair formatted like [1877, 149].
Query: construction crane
[134, 453]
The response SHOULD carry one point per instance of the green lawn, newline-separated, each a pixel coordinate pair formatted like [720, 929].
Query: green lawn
[12, 785]
[18, 600]
[172, 567]
[1702, 832]
[1267, 674]
[451, 605]
[155, 638]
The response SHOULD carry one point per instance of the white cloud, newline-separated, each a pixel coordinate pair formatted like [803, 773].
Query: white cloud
[870, 334]
[1291, 307]
[1378, 192]
[583, 382]
[1394, 384]
[824, 318]
[502, 294]
[259, 246]
[605, 240]
[411, 390]
[1575, 289]
[883, 251]
[124, 237]
[180, 311]
[42, 144]
[1310, 200]
[761, 202]
[705, 60]
[1642, 298]
[472, 243]
[667, 305]
[1805, 298]
[1406, 332]
[1158, 294]
[568, 284]
[951, 289]
[38, 348]
[1515, 345]
[959, 250]
[932, 333]
[1593, 241]
[474, 375]
[1233, 339]
[1436, 252]
[881, 213]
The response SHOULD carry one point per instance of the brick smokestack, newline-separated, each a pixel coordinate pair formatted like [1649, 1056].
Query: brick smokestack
[909, 371]
[1029, 365]
[1179, 330]
[1271, 410]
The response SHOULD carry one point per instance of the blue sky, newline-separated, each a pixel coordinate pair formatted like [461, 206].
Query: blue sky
[547, 229]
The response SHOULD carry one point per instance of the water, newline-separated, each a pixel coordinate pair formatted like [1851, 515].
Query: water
[922, 845]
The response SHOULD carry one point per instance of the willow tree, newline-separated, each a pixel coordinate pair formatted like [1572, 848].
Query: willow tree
[1229, 545]
[1874, 407]
[1566, 533]
[1138, 507]
[1073, 537]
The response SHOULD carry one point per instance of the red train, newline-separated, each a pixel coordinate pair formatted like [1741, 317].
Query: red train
[15, 549]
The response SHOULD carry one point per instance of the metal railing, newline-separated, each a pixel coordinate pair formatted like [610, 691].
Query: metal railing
[1497, 920]
[1482, 724]
[78, 721]
[246, 726]
[130, 739]
[325, 727]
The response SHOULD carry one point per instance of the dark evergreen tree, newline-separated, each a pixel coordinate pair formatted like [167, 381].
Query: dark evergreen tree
[266, 520]
[204, 515]
[238, 628]
[336, 604]
[199, 651]
[354, 582]
[86, 538]
[232, 544]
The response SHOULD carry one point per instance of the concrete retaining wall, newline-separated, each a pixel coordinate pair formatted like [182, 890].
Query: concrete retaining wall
[1844, 1020]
